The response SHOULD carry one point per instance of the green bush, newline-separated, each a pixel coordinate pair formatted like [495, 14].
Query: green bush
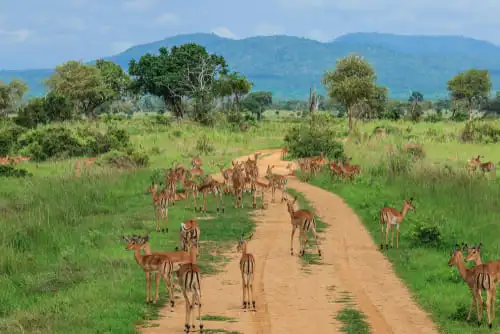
[426, 236]
[9, 135]
[11, 171]
[58, 141]
[308, 140]
[204, 145]
[480, 132]
[125, 160]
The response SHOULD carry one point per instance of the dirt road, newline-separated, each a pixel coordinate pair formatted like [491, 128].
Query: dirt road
[292, 300]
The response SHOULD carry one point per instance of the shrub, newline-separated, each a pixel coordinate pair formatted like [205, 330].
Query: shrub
[11, 171]
[126, 160]
[426, 236]
[57, 141]
[480, 132]
[308, 140]
[9, 135]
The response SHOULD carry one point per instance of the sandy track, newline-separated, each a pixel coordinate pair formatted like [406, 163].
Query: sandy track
[290, 300]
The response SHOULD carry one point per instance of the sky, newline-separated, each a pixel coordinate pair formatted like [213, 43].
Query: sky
[42, 34]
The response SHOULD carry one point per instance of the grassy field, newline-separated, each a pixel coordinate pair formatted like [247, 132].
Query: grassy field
[63, 266]
[452, 207]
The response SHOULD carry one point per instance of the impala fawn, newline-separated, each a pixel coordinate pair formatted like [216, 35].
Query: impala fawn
[154, 263]
[477, 278]
[189, 280]
[304, 220]
[391, 218]
[247, 268]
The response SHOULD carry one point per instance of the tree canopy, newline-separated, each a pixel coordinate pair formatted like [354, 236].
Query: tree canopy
[186, 71]
[11, 94]
[352, 81]
[472, 87]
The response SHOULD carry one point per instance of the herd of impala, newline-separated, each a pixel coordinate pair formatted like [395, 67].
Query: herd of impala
[241, 178]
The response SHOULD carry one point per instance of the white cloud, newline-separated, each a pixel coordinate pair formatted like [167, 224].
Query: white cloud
[139, 4]
[267, 29]
[15, 36]
[167, 19]
[224, 32]
[118, 47]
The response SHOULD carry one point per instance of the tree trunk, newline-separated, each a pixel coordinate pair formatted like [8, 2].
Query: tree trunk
[414, 105]
[236, 101]
[349, 116]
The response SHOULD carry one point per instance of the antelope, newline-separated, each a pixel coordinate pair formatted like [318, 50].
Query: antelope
[247, 269]
[277, 182]
[196, 162]
[477, 278]
[160, 203]
[261, 187]
[191, 188]
[346, 173]
[213, 187]
[227, 174]
[189, 233]
[474, 255]
[486, 167]
[177, 257]
[291, 170]
[238, 180]
[356, 169]
[391, 218]
[304, 220]
[171, 188]
[198, 171]
[154, 263]
[335, 169]
[284, 152]
[189, 280]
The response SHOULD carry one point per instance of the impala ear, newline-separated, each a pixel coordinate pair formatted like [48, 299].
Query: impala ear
[146, 238]
[480, 245]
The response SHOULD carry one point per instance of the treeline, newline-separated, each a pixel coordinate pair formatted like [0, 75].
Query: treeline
[189, 82]
[185, 80]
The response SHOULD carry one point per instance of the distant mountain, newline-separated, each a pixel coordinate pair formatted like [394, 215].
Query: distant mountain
[288, 65]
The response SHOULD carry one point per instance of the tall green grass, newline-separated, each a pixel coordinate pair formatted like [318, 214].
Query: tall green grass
[452, 207]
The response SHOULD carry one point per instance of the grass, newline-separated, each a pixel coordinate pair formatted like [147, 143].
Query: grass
[217, 318]
[309, 257]
[451, 208]
[354, 322]
[63, 266]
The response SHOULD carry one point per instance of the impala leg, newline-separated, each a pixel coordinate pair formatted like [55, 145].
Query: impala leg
[157, 214]
[315, 235]
[488, 306]
[250, 279]
[392, 236]
[244, 288]
[168, 283]
[198, 298]
[381, 236]
[479, 306]
[387, 236]
[493, 297]
[291, 239]
[157, 286]
[397, 237]
[221, 202]
[262, 199]
[148, 287]
[195, 194]
[471, 306]
[188, 313]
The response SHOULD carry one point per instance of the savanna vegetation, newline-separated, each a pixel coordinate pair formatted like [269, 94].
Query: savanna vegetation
[63, 261]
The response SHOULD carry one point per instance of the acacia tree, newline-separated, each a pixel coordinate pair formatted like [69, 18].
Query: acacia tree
[471, 87]
[257, 102]
[352, 81]
[186, 71]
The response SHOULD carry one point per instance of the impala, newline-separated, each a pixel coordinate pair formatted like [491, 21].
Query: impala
[391, 218]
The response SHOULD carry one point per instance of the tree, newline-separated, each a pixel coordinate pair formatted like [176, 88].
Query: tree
[114, 77]
[472, 87]
[11, 94]
[257, 102]
[378, 100]
[235, 85]
[415, 99]
[81, 84]
[40, 110]
[352, 81]
[186, 71]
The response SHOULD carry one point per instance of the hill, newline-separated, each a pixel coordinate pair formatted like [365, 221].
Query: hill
[288, 65]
